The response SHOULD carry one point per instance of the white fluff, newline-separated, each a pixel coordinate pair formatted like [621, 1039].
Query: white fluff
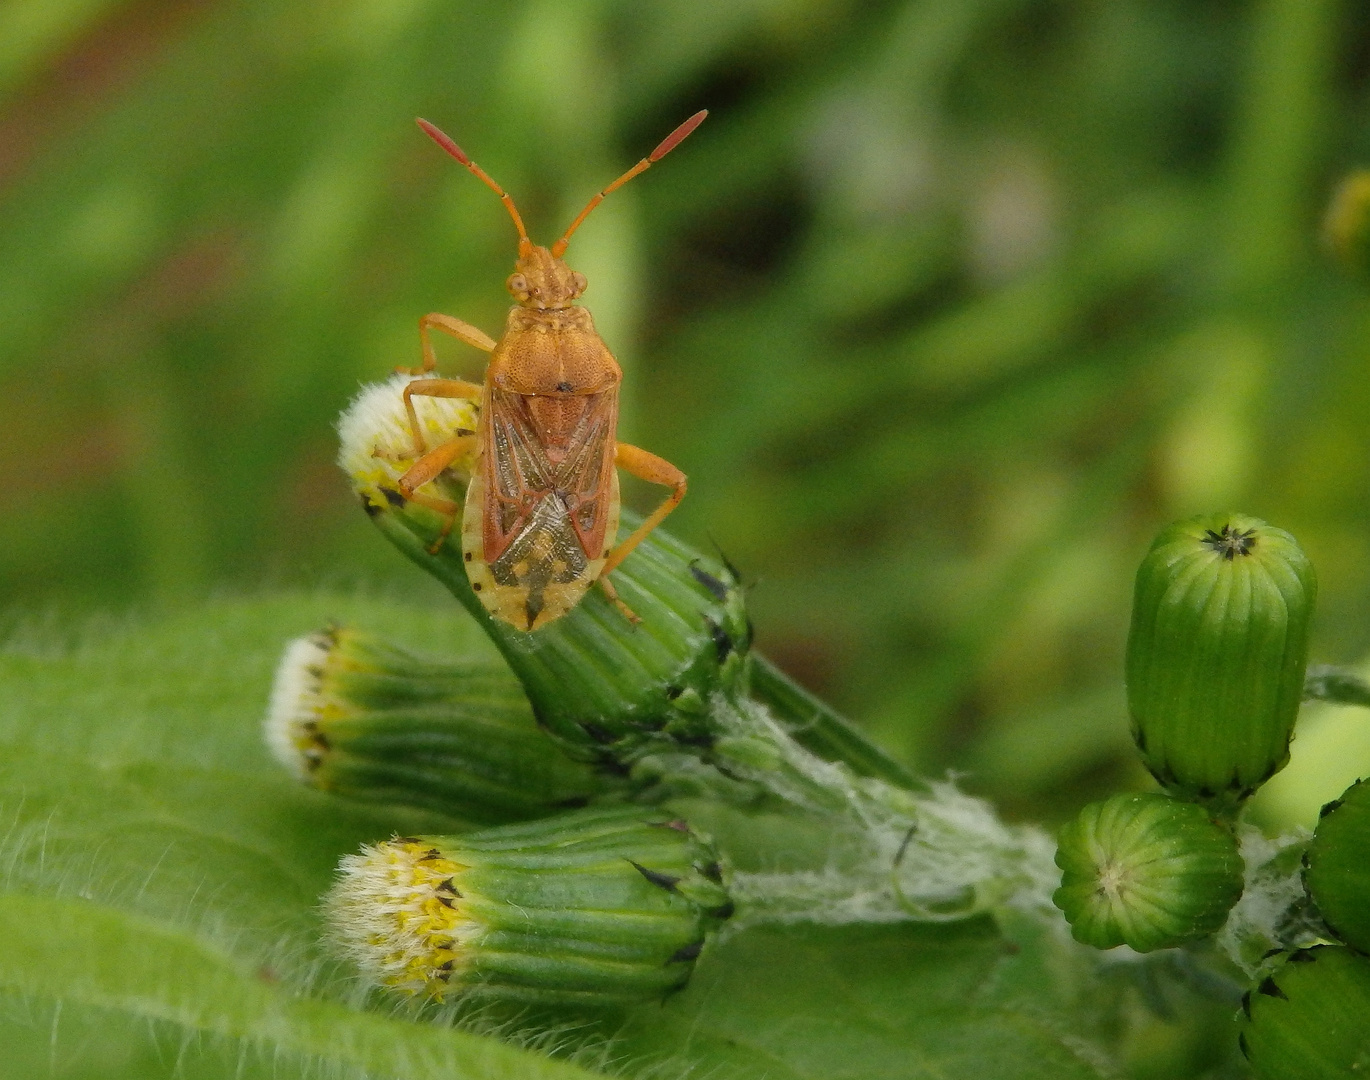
[932, 855]
[1273, 912]
[383, 914]
[376, 444]
[296, 700]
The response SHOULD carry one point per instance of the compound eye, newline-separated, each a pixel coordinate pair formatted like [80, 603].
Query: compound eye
[578, 282]
[517, 284]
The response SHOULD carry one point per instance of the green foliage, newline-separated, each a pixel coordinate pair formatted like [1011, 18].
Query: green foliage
[162, 877]
[944, 310]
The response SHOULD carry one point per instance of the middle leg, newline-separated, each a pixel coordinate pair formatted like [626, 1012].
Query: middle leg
[428, 468]
[439, 388]
[462, 331]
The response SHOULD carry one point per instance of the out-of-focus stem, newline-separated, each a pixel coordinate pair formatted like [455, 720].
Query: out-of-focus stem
[1274, 158]
[1337, 685]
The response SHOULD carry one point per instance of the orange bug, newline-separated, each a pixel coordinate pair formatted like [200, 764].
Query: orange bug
[542, 505]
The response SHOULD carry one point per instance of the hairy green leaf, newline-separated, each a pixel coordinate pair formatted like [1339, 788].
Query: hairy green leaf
[161, 876]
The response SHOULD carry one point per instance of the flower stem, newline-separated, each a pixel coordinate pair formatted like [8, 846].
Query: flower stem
[817, 727]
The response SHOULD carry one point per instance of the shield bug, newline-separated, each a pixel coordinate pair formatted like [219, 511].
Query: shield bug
[542, 504]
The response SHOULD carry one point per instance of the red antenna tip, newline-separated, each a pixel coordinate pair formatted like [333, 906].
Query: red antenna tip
[445, 141]
[674, 139]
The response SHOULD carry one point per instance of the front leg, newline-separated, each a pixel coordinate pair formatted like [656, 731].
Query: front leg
[462, 331]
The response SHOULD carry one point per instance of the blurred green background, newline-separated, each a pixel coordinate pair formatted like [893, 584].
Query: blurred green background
[948, 307]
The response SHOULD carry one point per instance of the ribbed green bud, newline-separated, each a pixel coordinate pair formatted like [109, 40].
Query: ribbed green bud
[606, 688]
[357, 716]
[594, 907]
[1217, 652]
[1346, 228]
[1337, 872]
[1146, 870]
[1310, 1020]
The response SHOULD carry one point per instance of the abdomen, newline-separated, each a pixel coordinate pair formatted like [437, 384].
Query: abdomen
[542, 572]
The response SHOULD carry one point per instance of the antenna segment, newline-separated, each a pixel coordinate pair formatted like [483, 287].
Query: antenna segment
[669, 143]
[445, 141]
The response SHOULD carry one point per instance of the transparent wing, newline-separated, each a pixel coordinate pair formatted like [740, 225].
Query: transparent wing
[529, 494]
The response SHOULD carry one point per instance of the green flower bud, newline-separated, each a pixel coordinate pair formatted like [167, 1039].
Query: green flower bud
[595, 907]
[1217, 652]
[1310, 1020]
[1346, 228]
[356, 716]
[1338, 866]
[1146, 870]
[606, 688]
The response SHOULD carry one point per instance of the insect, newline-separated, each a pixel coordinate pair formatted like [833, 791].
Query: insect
[542, 504]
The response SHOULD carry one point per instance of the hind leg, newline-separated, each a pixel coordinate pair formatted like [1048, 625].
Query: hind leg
[654, 470]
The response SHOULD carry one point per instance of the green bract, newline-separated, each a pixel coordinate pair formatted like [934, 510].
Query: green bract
[1146, 870]
[594, 907]
[605, 688]
[359, 717]
[1338, 868]
[1310, 1020]
[1217, 653]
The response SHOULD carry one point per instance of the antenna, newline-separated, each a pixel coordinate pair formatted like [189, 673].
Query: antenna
[669, 143]
[445, 141]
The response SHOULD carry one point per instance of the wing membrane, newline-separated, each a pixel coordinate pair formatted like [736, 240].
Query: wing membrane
[534, 490]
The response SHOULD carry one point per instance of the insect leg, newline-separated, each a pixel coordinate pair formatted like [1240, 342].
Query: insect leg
[612, 593]
[444, 388]
[428, 467]
[447, 508]
[433, 462]
[654, 470]
[462, 331]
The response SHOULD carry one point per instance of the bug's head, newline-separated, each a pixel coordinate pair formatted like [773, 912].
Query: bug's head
[541, 280]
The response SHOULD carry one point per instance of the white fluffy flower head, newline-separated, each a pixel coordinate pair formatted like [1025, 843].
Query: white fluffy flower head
[376, 443]
[298, 701]
[396, 913]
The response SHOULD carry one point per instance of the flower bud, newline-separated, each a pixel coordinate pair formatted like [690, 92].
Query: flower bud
[607, 689]
[356, 716]
[595, 907]
[1337, 872]
[1146, 870]
[1310, 1020]
[1217, 652]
